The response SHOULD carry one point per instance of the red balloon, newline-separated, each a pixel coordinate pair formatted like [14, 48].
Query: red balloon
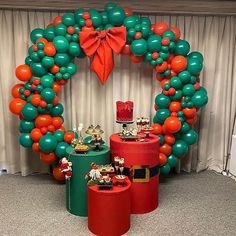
[36, 134]
[68, 136]
[16, 105]
[126, 49]
[163, 82]
[175, 106]
[192, 120]
[15, 90]
[35, 147]
[54, 69]
[55, 100]
[169, 139]
[51, 128]
[136, 59]
[57, 121]
[42, 40]
[58, 175]
[43, 121]
[189, 112]
[23, 72]
[49, 49]
[162, 159]
[166, 149]
[128, 11]
[57, 20]
[160, 28]
[172, 124]
[36, 99]
[48, 158]
[177, 33]
[157, 129]
[178, 63]
[56, 87]
[162, 67]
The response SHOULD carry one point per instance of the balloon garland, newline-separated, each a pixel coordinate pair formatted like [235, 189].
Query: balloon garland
[49, 66]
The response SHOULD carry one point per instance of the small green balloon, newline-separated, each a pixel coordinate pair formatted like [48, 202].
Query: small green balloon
[162, 101]
[178, 95]
[116, 16]
[59, 135]
[180, 148]
[61, 44]
[57, 110]
[188, 90]
[62, 59]
[104, 17]
[109, 6]
[130, 22]
[25, 140]
[164, 55]
[68, 19]
[172, 160]
[169, 34]
[35, 57]
[74, 49]
[154, 43]
[61, 149]
[28, 60]
[60, 29]
[175, 82]
[161, 115]
[190, 137]
[161, 137]
[26, 126]
[48, 95]
[185, 128]
[182, 47]
[71, 68]
[36, 34]
[38, 69]
[145, 21]
[49, 33]
[48, 62]
[78, 15]
[145, 31]
[47, 81]
[184, 76]
[95, 17]
[48, 143]
[194, 66]
[165, 169]
[40, 45]
[139, 47]
[195, 55]
[199, 99]
[29, 112]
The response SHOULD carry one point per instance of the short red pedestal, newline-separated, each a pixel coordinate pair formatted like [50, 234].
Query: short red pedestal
[109, 210]
[144, 196]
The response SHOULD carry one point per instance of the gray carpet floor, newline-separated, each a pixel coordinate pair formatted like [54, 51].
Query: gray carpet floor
[189, 204]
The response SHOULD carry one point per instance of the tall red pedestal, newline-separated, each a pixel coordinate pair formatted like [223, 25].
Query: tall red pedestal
[109, 210]
[144, 195]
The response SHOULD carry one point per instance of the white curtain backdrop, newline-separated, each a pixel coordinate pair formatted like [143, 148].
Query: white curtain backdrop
[87, 101]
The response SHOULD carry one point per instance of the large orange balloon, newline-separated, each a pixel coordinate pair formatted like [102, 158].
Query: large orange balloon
[169, 139]
[43, 121]
[36, 99]
[172, 124]
[23, 72]
[162, 159]
[57, 121]
[178, 63]
[175, 106]
[15, 90]
[49, 49]
[16, 105]
[57, 174]
[160, 28]
[36, 134]
[189, 112]
[48, 158]
[68, 136]
[157, 129]
[166, 149]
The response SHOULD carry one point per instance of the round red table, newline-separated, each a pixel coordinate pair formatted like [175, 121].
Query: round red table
[109, 210]
[144, 193]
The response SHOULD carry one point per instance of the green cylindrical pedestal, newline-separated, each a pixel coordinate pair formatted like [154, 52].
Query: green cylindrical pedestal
[76, 187]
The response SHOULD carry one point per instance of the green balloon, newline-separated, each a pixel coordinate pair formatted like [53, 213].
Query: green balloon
[60, 29]
[25, 140]
[38, 69]
[28, 60]
[47, 81]
[29, 112]
[66, 75]
[180, 148]
[74, 49]
[48, 95]
[182, 47]
[202, 89]
[68, 19]
[175, 82]
[61, 43]
[35, 57]
[61, 149]
[72, 68]
[165, 169]
[195, 55]
[49, 33]
[154, 43]
[178, 95]
[145, 21]
[30, 50]
[116, 16]
[161, 115]
[95, 17]
[199, 99]
[131, 32]
[62, 59]
[145, 31]
[57, 110]
[172, 160]
[59, 135]
[169, 34]
[161, 137]
[48, 62]
[41, 54]
[184, 76]
[190, 137]
[36, 34]
[139, 47]
[48, 143]
[78, 15]
[162, 101]
[109, 6]
[193, 80]
[194, 66]
[185, 128]
[104, 17]
[26, 126]
[130, 21]
[188, 90]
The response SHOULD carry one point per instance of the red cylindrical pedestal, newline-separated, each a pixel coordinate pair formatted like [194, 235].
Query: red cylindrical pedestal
[109, 210]
[144, 196]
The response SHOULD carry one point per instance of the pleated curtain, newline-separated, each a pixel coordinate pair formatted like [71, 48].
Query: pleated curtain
[87, 101]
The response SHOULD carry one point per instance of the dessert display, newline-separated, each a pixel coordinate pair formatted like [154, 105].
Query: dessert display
[105, 183]
[81, 148]
[143, 125]
[119, 165]
[129, 134]
[106, 169]
[124, 111]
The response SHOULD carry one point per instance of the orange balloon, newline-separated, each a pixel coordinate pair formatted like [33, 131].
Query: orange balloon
[62, 81]
[62, 128]
[136, 59]
[166, 149]
[162, 67]
[36, 134]
[55, 100]
[42, 40]
[23, 72]
[35, 147]
[178, 63]
[16, 105]
[57, 121]
[57, 174]
[49, 49]
[54, 69]
[15, 90]
[175, 106]
[36, 99]
[126, 50]
[177, 33]
[56, 87]
[172, 124]
[128, 11]
[57, 20]
[169, 139]
[160, 28]
[48, 158]
[163, 82]
[162, 159]
[68, 136]
[192, 120]
[157, 129]
[189, 112]
[43, 121]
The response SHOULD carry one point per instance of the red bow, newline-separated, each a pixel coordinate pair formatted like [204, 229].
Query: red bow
[101, 45]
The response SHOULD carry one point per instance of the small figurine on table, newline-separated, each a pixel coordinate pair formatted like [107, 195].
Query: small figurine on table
[93, 175]
[65, 167]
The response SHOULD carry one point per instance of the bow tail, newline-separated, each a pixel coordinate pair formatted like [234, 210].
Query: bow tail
[103, 62]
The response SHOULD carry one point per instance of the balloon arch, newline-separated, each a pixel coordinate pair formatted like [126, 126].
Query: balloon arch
[49, 65]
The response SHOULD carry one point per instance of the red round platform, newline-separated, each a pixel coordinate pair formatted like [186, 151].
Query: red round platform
[144, 196]
[109, 210]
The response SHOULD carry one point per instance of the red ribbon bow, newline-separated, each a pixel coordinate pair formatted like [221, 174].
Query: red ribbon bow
[101, 45]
